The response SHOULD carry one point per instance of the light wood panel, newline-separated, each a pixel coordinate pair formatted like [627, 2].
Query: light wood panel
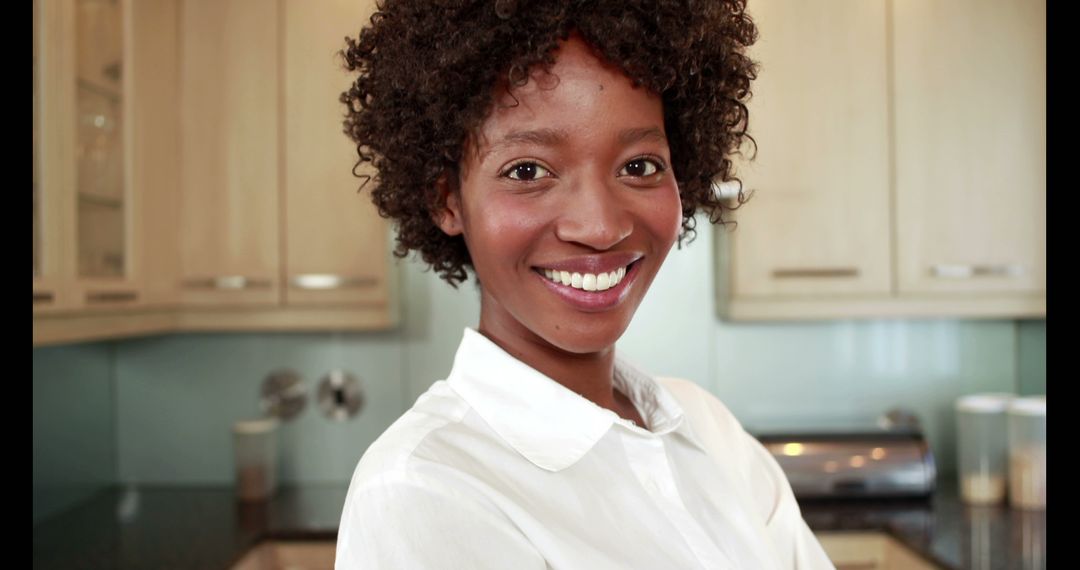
[335, 241]
[229, 151]
[85, 326]
[970, 97]
[53, 286]
[818, 223]
[985, 306]
[868, 550]
[156, 141]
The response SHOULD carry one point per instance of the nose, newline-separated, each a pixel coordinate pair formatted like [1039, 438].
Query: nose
[594, 215]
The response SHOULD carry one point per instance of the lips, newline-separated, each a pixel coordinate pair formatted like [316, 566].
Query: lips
[592, 301]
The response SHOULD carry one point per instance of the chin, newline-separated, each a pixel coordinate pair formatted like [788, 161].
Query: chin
[578, 339]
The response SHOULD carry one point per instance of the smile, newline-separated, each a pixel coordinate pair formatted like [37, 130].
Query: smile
[587, 281]
[589, 291]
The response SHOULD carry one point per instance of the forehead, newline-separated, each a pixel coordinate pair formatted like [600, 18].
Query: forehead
[581, 95]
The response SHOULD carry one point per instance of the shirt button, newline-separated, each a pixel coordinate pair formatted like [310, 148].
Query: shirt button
[652, 486]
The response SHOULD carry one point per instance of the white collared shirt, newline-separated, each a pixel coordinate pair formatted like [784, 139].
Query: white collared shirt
[502, 467]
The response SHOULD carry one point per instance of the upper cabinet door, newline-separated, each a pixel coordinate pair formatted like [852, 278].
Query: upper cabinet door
[105, 204]
[818, 224]
[229, 150]
[971, 145]
[155, 128]
[84, 208]
[54, 181]
[335, 241]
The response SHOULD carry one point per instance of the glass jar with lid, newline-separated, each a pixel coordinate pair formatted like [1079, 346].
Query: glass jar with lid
[1027, 453]
[982, 446]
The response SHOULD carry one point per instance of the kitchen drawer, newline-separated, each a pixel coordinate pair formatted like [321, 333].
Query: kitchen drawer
[289, 555]
[871, 551]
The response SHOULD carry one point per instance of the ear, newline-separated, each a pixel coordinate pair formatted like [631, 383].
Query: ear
[448, 215]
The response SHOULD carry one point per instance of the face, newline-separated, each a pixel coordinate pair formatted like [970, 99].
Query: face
[571, 182]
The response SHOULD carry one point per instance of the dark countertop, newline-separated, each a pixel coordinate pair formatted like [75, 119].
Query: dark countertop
[942, 528]
[205, 527]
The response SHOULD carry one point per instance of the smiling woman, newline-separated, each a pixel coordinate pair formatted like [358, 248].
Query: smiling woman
[558, 150]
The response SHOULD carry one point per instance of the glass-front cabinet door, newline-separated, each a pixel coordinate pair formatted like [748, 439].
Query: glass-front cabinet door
[99, 148]
[82, 195]
[103, 205]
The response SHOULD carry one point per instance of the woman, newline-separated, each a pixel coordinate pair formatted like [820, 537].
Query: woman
[559, 150]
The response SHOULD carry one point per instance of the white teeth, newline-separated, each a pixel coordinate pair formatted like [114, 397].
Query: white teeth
[587, 281]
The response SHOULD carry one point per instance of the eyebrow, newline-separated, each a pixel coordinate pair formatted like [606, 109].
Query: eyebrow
[556, 137]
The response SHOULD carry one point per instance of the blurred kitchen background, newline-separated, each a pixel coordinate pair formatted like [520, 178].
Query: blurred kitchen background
[197, 228]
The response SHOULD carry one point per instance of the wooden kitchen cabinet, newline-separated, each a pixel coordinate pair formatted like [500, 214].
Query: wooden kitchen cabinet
[904, 178]
[230, 164]
[856, 550]
[275, 235]
[240, 209]
[970, 147]
[335, 241]
[818, 222]
[104, 162]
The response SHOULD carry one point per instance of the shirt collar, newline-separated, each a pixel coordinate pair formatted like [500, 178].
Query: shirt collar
[549, 424]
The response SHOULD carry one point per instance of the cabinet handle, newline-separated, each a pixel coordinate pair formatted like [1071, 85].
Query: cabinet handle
[815, 272]
[227, 282]
[969, 271]
[322, 281]
[869, 565]
[111, 296]
[43, 297]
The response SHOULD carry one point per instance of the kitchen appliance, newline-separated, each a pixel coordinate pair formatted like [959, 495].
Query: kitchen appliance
[889, 459]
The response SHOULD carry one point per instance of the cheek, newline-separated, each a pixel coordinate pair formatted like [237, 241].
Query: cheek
[668, 220]
[502, 232]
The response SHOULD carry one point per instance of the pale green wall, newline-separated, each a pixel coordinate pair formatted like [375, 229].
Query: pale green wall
[1031, 354]
[74, 417]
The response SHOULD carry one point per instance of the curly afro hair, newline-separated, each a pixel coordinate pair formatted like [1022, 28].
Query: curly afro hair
[426, 71]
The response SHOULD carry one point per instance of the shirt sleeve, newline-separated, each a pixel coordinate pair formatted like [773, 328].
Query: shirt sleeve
[403, 523]
[796, 544]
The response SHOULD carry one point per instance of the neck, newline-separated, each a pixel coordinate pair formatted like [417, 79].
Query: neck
[589, 374]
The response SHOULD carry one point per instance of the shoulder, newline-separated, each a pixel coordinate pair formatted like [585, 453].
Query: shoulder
[700, 405]
[435, 410]
[418, 481]
[438, 444]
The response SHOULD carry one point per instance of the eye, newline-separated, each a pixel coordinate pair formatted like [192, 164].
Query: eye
[642, 167]
[526, 171]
